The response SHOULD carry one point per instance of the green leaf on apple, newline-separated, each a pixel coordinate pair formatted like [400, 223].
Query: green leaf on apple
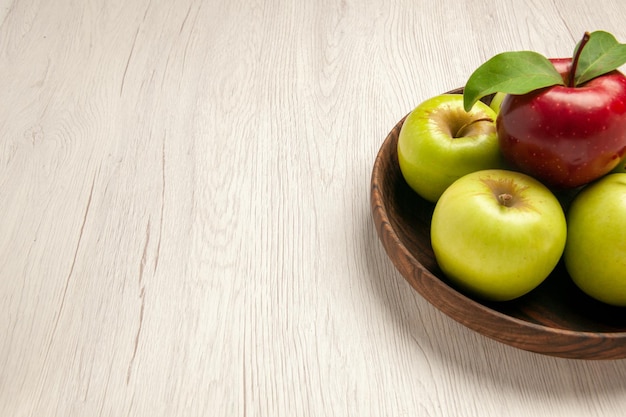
[521, 72]
[510, 72]
[601, 54]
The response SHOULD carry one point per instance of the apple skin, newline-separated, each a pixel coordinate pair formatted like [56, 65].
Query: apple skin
[429, 155]
[620, 168]
[595, 253]
[496, 102]
[493, 251]
[566, 136]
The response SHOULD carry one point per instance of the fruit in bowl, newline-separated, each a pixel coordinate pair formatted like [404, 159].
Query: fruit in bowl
[595, 254]
[497, 234]
[566, 135]
[563, 121]
[440, 142]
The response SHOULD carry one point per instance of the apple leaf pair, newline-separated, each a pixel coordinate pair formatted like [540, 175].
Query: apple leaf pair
[524, 71]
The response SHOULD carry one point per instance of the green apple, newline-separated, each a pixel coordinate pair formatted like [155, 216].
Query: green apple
[497, 234]
[496, 101]
[440, 142]
[595, 252]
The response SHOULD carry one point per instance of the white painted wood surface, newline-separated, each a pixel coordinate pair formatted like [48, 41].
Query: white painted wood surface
[184, 210]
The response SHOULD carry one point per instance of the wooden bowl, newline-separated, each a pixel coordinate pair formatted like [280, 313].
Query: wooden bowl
[555, 319]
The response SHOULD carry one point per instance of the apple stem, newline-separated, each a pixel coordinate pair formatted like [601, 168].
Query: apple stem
[505, 199]
[461, 132]
[572, 73]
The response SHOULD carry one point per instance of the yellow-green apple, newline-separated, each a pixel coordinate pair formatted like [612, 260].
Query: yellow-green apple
[440, 142]
[497, 234]
[595, 252]
[496, 101]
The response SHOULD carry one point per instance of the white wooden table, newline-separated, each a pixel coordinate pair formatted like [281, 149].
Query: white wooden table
[184, 210]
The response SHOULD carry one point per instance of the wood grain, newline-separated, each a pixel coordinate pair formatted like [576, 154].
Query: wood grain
[184, 217]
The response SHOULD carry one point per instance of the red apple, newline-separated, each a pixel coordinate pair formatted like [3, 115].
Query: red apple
[566, 136]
